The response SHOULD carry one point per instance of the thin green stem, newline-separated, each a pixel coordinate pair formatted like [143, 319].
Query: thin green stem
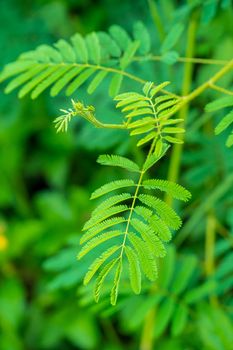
[221, 89]
[156, 19]
[142, 172]
[210, 250]
[174, 165]
[209, 244]
[194, 60]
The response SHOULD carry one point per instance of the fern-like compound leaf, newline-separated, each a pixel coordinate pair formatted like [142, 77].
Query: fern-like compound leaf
[141, 228]
[75, 61]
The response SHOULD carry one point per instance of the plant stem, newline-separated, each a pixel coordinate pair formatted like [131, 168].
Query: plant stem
[147, 333]
[209, 250]
[221, 89]
[195, 60]
[209, 244]
[174, 165]
[156, 19]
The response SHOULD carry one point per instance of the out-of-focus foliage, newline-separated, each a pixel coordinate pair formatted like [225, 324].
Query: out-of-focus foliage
[46, 180]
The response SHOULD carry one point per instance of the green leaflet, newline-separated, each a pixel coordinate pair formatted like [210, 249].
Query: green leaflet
[170, 57]
[36, 80]
[224, 123]
[153, 242]
[102, 276]
[97, 218]
[109, 202]
[79, 80]
[219, 104]
[173, 189]
[64, 80]
[144, 212]
[166, 105]
[122, 162]
[96, 81]
[229, 141]
[66, 51]
[108, 45]
[172, 37]
[22, 78]
[120, 36]
[80, 48]
[167, 267]
[115, 84]
[127, 98]
[141, 122]
[94, 242]
[48, 81]
[50, 52]
[141, 34]
[179, 320]
[134, 270]
[163, 210]
[112, 186]
[145, 256]
[142, 130]
[129, 54]
[152, 135]
[158, 88]
[184, 274]
[154, 158]
[16, 67]
[173, 139]
[135, 105]
[114, 291]
[101, 227]
[160, 228]
[164, 314]
[140, 111]
[98, 262]
[198, 293]
[93, 47]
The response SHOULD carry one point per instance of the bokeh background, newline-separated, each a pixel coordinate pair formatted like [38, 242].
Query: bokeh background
[46, 180]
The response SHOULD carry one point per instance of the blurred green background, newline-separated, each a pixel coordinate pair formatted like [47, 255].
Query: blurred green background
[46, 180]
